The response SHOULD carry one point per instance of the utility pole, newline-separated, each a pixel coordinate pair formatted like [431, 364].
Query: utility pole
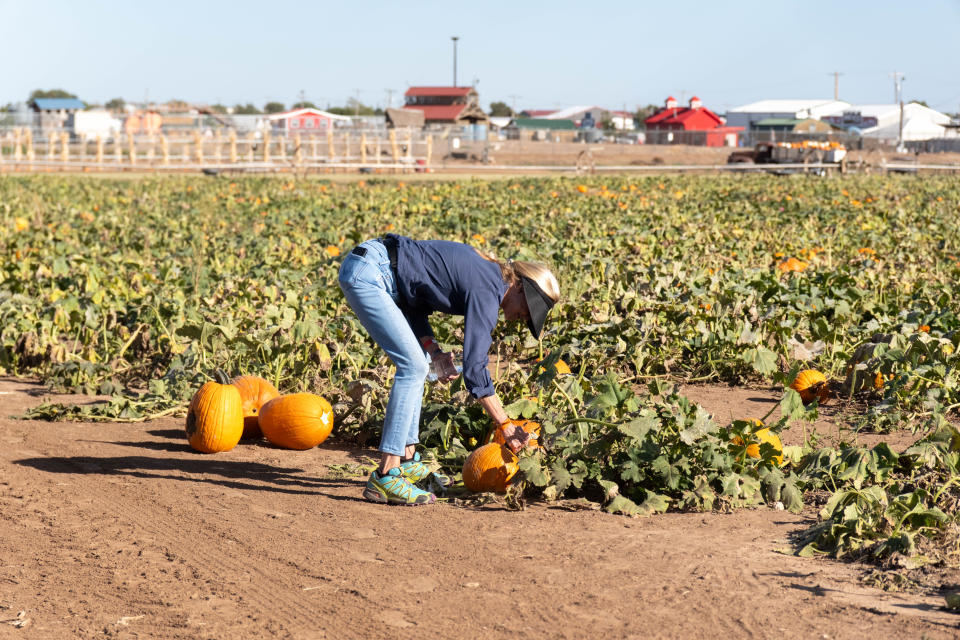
[389, 98]
[836, 84]
[454, 38]
[356, 102]
[513, 103]
[897, 85]
[898, 96]
[303, 97]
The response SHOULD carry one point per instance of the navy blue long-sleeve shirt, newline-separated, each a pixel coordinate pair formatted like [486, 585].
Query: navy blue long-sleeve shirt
[450, 277]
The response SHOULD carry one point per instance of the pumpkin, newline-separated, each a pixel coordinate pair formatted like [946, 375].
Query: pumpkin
[215, 416]
[498, 436]
[297, 421]
[489, 468]
[763, 435]
[562, 368]
[811, 384]
[254, 393]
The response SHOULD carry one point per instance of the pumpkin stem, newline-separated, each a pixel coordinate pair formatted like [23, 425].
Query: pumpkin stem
[220, 376]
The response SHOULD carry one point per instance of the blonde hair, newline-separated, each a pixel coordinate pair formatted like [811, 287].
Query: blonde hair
[539, 273]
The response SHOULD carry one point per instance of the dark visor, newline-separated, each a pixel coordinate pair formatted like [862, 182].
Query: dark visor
[538, 303]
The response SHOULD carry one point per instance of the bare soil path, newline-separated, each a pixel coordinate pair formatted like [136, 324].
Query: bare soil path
[121, 531]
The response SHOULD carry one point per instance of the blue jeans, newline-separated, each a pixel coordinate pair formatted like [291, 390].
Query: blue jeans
[371, 291]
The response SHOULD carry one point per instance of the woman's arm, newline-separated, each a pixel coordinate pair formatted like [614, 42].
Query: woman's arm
[491, 404]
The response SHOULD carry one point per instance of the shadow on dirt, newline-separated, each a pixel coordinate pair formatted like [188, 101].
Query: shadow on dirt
[251, 476]
[173, 434]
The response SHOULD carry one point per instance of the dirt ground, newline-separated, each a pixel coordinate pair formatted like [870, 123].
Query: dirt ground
[121, 531]
[649, 156]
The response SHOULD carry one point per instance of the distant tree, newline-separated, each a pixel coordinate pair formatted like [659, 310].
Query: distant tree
[356, 108]
[245, 109]
[218, 108]
[642, 113]
[116, 104]
[306, 104]
[500, 110]
[921, 102]
[274, 107]
[50, 93]
[177, 105]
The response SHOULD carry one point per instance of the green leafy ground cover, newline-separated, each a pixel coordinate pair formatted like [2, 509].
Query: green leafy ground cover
[138, 289]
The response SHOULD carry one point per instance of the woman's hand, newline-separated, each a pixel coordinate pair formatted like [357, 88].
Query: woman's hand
[514, 436]
[444, 366]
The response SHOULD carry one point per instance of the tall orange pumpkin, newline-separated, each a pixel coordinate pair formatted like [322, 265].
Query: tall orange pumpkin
[254, 393]
[490, 468]
[215, 416]
[811, 384]
[297, 421]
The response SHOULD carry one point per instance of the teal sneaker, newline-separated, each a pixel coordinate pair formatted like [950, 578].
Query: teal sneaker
[393, 488]
[415, 471]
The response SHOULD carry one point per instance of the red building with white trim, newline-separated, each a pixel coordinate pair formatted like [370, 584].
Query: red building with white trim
[446, 105]
[693, 124]
[304, 121]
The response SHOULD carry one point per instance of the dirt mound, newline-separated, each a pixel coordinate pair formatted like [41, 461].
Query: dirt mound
[120, 530]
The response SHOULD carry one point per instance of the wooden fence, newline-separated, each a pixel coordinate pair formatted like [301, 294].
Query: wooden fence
[21, 150]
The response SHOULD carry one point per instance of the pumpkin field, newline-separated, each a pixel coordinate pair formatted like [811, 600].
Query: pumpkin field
[817, 318]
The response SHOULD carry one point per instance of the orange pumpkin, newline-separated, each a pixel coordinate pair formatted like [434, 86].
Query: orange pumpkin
[563, 369]
[763, 435]
[254, 393]
[490, 468]
[215, 416]
[498, 436]
[811, 385]
[297, 421]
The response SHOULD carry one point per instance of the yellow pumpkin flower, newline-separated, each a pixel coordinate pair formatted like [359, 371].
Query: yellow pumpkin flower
[479, 239]
[582, 188]
[332, 250]
[21, 224]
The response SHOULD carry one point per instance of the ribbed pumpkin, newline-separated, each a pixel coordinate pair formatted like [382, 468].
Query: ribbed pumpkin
[498, 436]
[811, 384]
[215, 416]
[763, 435]
[297, 421]
[489, 468]
[254, 393]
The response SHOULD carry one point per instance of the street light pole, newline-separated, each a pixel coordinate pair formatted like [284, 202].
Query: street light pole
[454, 38]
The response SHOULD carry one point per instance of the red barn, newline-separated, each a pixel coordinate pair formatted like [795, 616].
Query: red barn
[304, 121]
[694, 124]
[446, 105]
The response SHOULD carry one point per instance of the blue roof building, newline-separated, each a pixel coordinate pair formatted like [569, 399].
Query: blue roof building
[57, 104]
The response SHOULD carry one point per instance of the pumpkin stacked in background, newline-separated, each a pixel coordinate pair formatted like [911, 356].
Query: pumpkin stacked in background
[215, 416]
[297, 421]
[222, 412]
[254, 393]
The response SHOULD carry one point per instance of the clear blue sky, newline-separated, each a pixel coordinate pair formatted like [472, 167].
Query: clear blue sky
[614, 54]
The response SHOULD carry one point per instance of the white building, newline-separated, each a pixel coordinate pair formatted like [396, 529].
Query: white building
[750, 114]
[882, 121]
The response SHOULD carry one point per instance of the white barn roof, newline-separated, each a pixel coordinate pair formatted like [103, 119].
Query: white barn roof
[919, 122]
[798, 108]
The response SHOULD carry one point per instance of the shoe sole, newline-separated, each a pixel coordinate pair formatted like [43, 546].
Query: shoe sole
[376, 496]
